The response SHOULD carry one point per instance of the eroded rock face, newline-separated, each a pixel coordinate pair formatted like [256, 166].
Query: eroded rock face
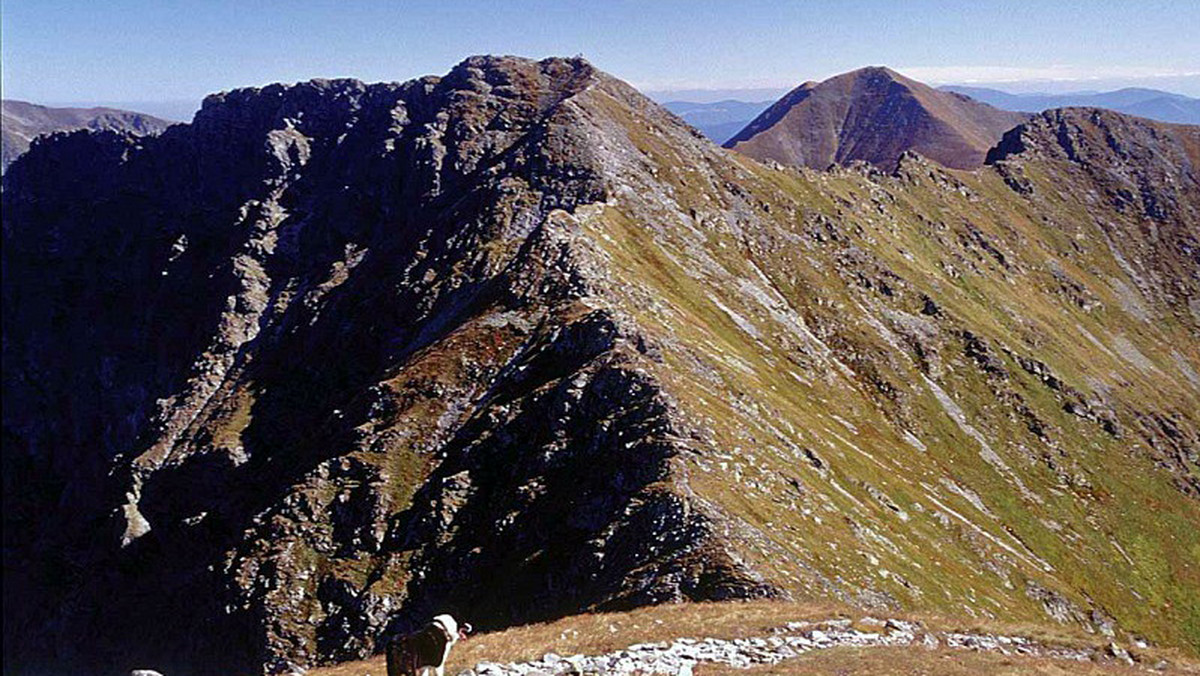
[514, 343]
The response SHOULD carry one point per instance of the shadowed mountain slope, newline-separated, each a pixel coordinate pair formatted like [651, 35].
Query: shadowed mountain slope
[874, 115]
[516, 343]
[22, 122]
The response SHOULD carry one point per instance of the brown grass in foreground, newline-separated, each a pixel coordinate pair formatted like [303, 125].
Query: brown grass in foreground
[605, 632]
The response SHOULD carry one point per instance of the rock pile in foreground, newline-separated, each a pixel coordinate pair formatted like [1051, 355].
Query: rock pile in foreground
[682, 655]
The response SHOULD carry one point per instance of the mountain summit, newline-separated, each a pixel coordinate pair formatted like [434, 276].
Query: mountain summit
[873, 114]
[515, 343]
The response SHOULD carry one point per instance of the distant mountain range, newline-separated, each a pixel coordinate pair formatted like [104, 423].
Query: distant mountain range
[1151, 103]
[873, 114]
[23, 122]
[720, 120]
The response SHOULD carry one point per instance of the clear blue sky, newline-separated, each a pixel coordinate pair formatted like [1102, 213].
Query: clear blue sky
[143, 50]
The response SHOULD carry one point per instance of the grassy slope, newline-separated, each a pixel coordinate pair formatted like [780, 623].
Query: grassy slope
[875, 520]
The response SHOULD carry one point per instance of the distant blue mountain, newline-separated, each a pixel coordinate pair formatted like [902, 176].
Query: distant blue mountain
[720, 120]
[1151, 103]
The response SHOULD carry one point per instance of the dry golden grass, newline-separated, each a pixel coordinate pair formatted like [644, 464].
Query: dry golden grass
[605, 632]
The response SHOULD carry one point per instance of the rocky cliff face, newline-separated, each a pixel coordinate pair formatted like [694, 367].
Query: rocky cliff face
[873, 115]
[515, 343]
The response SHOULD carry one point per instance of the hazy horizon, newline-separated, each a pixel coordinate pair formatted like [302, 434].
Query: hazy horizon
[57, 51]
[181, 110]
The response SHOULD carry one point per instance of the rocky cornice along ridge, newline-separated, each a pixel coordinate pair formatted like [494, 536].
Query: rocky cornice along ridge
[873, 115]
[1147, 171]
[1143, 165]
[516, 343]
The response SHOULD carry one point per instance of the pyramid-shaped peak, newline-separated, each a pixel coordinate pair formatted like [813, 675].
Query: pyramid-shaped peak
[873, 114]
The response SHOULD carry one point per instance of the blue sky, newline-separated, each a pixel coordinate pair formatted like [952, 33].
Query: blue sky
[142, 50]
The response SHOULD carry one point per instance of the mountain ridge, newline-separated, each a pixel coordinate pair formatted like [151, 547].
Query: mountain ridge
[1150, 103]
[23, 122]
[719, 120]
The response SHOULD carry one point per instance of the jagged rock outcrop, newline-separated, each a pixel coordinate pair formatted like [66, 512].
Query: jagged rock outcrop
[874, 115]
[23, 122]
[1149, 167]
[515, 343]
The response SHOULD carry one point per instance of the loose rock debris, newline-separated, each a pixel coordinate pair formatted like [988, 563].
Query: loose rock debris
[680, 656]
